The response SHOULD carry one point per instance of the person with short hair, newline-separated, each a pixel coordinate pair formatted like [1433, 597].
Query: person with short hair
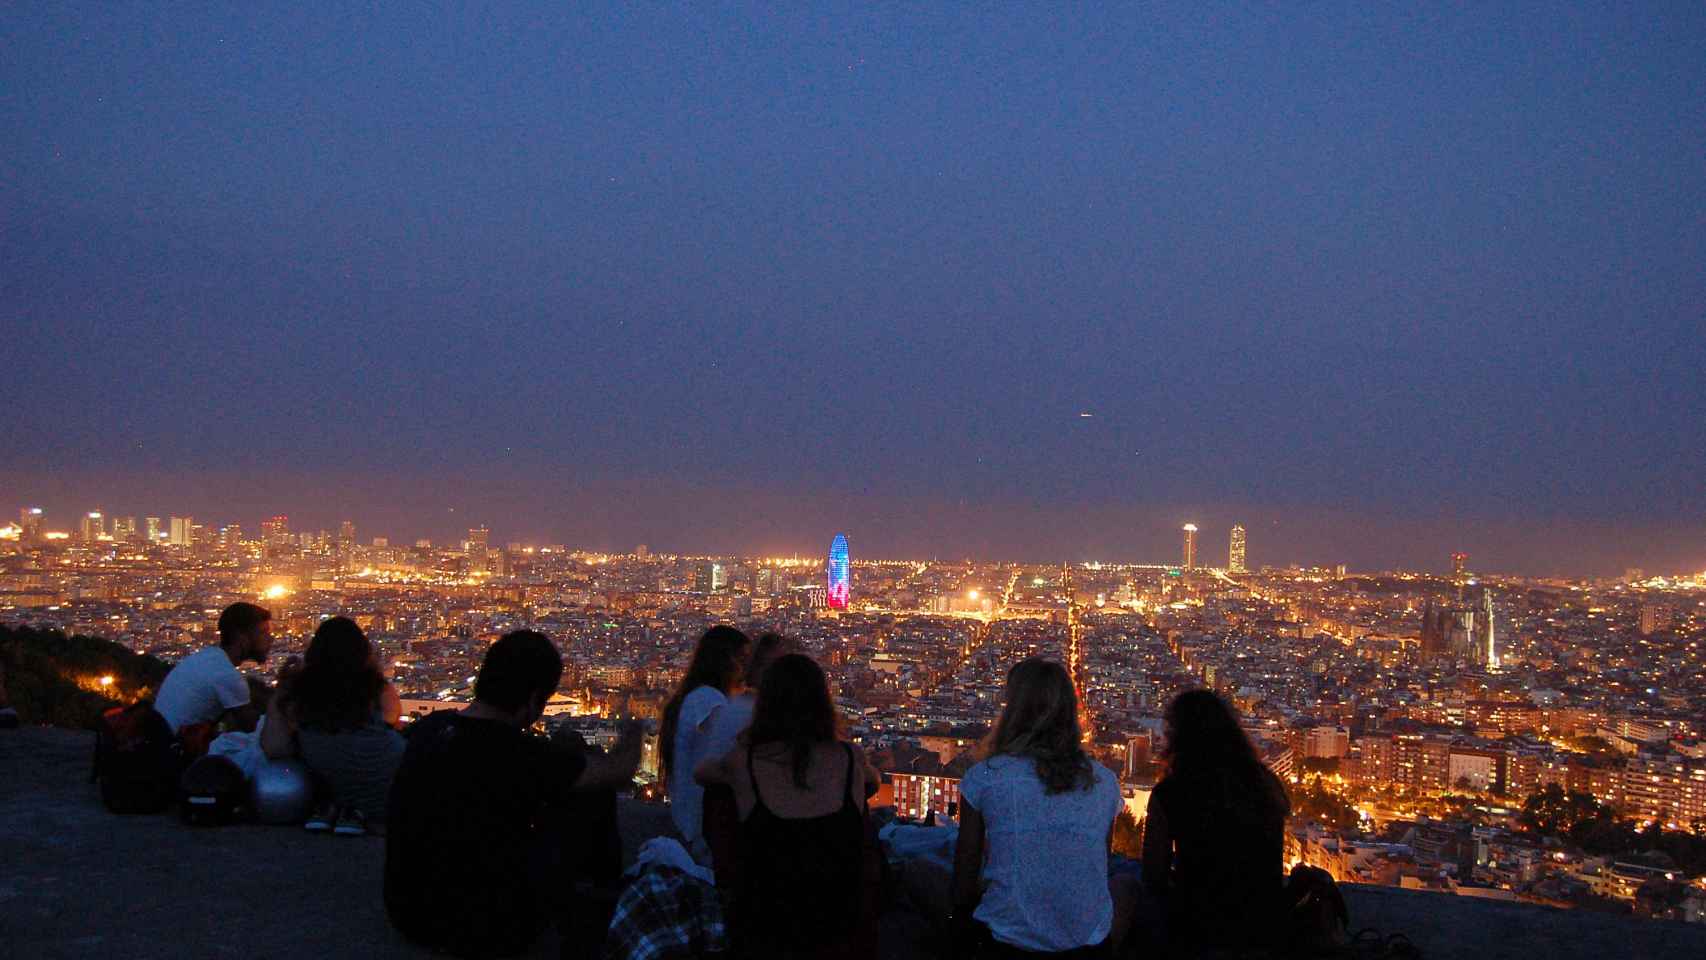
[329, 712]
[205, 685]
[488, 824]
[1036, 821]
[1214, 841]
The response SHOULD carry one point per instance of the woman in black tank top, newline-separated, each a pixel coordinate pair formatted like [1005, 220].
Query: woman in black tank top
[798, 893]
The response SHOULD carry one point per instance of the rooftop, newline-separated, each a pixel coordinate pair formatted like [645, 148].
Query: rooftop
[81, 882]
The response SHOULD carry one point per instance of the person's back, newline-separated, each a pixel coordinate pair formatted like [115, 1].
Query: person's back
[200, 689]
[801, 848]
[800, 795]
[358, 764]
[1047, 854]
[1228, 836]
[1214, 844]
[458, 835]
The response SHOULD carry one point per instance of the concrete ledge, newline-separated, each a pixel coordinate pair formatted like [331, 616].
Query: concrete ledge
[76, 881]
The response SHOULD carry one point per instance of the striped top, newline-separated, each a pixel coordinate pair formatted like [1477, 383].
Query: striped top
[357, 765]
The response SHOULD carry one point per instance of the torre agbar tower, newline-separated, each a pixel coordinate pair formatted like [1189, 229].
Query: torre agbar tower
[840, 573]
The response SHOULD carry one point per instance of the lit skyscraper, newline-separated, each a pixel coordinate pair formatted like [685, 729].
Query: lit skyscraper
[151, 529]
[840, 573]
[94, 526]
[1190, 546]
[1235, 552]
[181, 532]
[29, 523]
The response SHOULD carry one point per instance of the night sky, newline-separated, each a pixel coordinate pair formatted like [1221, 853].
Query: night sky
[1379, 282]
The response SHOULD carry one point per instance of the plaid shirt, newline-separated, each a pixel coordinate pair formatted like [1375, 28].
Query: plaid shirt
[664, 913]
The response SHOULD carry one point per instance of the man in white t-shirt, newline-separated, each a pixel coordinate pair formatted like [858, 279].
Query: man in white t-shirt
[206, 684]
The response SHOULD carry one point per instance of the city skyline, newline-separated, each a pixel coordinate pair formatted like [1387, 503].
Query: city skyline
[174, 529]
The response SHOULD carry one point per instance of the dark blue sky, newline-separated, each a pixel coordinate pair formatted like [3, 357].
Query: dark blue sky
[1377, 281]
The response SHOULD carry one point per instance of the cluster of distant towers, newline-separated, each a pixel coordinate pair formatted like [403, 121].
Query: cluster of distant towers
[1234, 549]
[1461, 629]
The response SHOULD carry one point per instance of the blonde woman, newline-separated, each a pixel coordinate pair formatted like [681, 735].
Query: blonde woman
[1031, 866]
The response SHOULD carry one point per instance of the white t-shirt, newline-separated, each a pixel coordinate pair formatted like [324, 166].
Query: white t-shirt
[728, 723]
[686, 797]
[1045, 870]
[200, 689]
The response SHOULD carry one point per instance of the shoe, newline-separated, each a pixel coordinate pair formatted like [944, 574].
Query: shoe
[350, 823]
[321, 819]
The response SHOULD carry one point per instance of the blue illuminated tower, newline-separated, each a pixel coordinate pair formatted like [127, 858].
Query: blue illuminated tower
[840, 573]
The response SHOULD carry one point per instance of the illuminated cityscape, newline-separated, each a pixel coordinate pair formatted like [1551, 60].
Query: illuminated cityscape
[1414, 714]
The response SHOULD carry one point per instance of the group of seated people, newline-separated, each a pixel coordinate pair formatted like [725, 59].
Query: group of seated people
[494, 832]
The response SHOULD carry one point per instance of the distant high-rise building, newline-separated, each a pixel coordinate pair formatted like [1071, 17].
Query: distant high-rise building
[29, 524]
[1459, 565]
[180, 531]
[642, 551]
[1235, 552]
[275, 531]
[840, 574]
[1190, 546]
[346, 534]
[93, 527]
[478, 542]
[124, 528]
[151, 529]
[709, 577]
[1484, 649]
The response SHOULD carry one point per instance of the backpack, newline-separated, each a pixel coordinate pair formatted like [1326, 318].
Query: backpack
[137, 759]
[1316, 917]
[211, 792]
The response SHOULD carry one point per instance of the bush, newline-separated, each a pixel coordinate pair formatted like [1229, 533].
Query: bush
[52, 679]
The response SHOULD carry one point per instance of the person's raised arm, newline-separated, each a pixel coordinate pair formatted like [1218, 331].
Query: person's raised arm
[614, 770]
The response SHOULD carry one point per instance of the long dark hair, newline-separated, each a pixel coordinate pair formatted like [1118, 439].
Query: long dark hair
[716, 663]
[1040, 721]
[339, 685]
[793, 710]
[1205, 744]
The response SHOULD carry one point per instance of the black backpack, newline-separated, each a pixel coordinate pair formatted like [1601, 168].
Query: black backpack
[137, 759]
[1316, 913]
[211, 792]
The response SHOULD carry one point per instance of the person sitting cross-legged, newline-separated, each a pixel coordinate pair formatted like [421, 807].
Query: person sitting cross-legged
[489, 825]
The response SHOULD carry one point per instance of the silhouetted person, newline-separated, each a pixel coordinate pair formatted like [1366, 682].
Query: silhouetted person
[800, 793]
[1214, 844]
[1035, 823]
[330, 713]
[489, 825]
[205, 685]
[684, 736]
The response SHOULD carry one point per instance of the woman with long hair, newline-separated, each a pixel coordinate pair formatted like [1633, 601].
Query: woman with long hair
[1031, 866]
[1214, 841]
[332, 712]
[800, 793]
[712, 676]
